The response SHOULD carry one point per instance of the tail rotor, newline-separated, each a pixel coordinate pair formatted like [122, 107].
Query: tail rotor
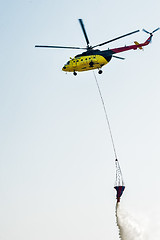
[145, 31]
[151, 33]
[156, 30]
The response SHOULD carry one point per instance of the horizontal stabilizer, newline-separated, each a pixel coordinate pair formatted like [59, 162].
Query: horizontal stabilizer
[138, 44]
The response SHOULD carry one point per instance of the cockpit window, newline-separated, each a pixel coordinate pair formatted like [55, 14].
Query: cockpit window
[68, 63]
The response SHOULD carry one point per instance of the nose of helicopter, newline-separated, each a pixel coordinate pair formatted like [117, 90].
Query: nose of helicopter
[64, 68]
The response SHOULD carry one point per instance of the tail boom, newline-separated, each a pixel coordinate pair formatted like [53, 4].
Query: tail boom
[134, 47]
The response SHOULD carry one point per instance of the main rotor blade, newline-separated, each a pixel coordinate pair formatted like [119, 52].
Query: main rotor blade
[114, 39]
[45, 46]
[84, 31]
[118, 57]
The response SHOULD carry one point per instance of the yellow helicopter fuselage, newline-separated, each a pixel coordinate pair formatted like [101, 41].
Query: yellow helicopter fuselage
[85, 63]
[89, 60]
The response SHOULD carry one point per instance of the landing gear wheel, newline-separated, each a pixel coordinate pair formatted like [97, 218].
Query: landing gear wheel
[74, 73]
[100, 71]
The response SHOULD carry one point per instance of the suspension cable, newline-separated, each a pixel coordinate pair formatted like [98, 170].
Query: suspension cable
[107, 119]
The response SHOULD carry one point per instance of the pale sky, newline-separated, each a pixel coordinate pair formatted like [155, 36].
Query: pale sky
[57, 169]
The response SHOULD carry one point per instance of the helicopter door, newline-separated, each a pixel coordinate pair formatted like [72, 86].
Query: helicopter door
[86, 62]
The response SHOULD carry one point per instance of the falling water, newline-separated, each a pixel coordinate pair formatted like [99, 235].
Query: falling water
[129, 229]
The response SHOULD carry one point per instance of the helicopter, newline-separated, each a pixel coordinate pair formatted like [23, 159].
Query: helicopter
[94, 58]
